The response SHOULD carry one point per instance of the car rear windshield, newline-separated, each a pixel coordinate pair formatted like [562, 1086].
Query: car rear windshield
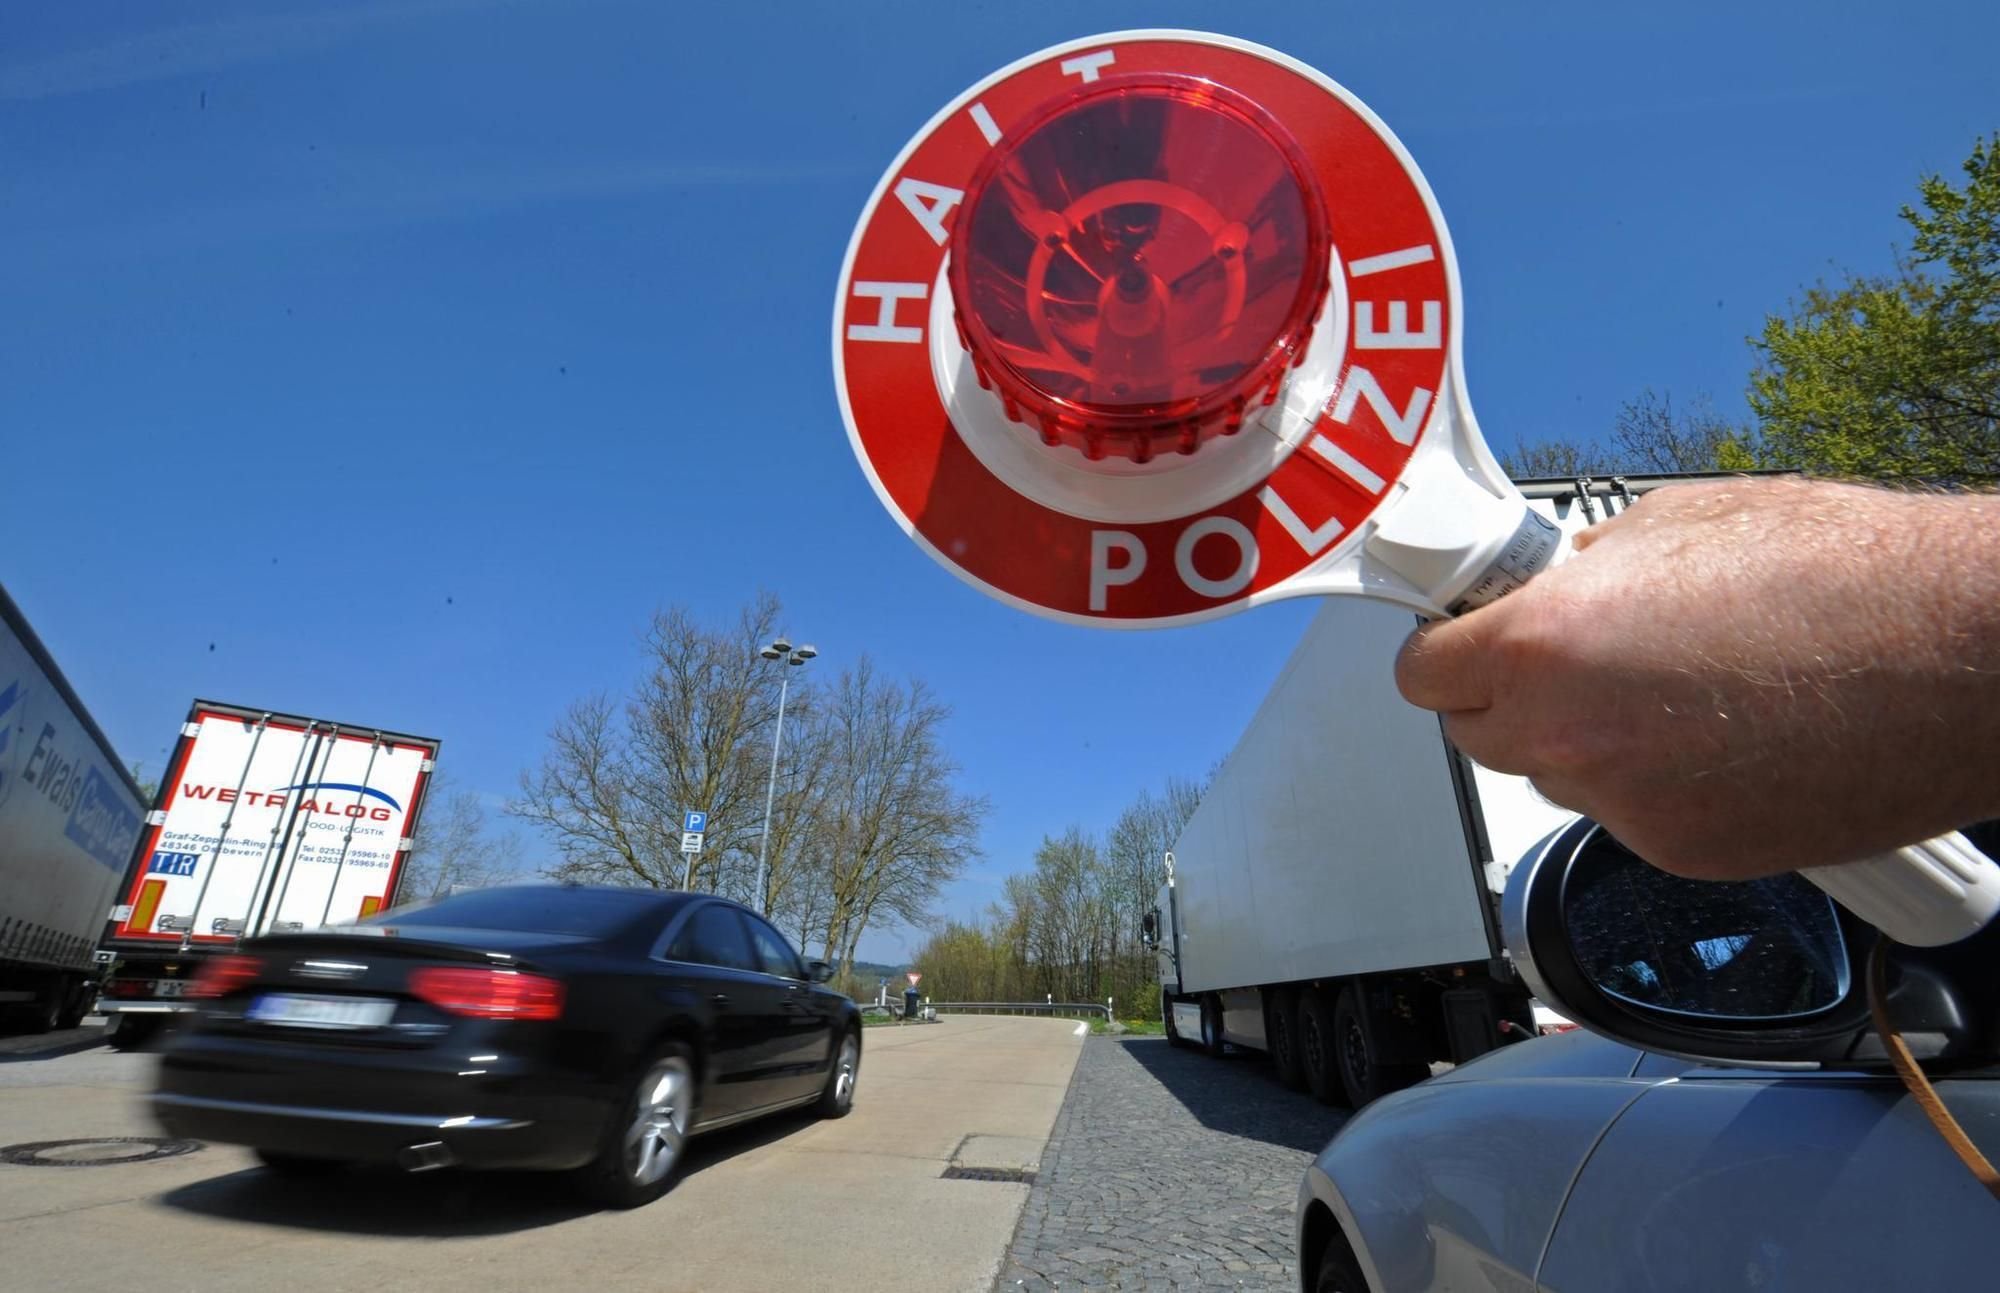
[592, 912]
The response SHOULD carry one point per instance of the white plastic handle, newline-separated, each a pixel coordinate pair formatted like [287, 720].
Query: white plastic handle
[1925, 895]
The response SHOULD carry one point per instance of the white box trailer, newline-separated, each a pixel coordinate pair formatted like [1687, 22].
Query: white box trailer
[267, 822]
[1334, 899]
[69, 813]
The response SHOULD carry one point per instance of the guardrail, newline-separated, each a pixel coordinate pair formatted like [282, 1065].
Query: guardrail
[1053, 1008]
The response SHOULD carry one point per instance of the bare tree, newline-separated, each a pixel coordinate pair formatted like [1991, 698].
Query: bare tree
[701, 729]
[864, 823]
[1536, 459]
[454, 847]
[617, 777]
[1648, 434]
[582, 797]
[894, 830]
[1068, 927]
[1651, 435]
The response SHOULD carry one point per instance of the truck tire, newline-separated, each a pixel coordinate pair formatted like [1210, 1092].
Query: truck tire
[45, 1013]
[1211, 1026]
[1281, 1037]
[76, 1004]
[132, 1032]
[1313, 1029]
[1174, 1037]
[1365, 1076]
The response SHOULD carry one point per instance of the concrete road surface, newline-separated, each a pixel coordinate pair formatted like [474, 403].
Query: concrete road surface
[790, 1203]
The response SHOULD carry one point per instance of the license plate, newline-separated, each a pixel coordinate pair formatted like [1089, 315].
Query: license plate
[170, 987]
[289, 1011]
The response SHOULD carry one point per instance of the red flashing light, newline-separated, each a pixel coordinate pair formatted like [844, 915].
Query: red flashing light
[1137, 265]
[489, 993]
[221, 975]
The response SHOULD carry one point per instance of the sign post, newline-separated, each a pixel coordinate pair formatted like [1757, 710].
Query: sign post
[693, 826]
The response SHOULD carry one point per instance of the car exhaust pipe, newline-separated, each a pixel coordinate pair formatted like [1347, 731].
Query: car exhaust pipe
[428, 1156]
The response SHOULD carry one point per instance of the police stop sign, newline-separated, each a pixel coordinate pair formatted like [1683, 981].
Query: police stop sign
[1146, 328]
[1154, 326]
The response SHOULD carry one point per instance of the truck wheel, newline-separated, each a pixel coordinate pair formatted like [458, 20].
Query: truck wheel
[1313, 1030]
[1174, 1037]
[1211, 1026]
[131, 1032]
[45, 1014]
[1281, 1038]
[1364, 1075]
[76, 1004]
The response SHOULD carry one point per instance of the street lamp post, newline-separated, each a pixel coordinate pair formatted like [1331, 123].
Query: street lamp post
[778, 649]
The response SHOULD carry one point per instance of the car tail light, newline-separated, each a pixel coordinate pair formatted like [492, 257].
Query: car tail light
[219, 976]
[488, 993]
[1138, 265]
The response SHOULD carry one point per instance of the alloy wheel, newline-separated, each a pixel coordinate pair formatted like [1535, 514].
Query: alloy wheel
[658, 1133]
[850, 1063]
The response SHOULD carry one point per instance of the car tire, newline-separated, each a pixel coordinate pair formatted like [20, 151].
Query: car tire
[1174, 1037]
[1313, 1029]
[1362, 1072]
[1211, 1026]
[1281, 1038]
[645, 1136]
[298, 1166]
[1338, 1271]
[837, 1099]
[132, 1032]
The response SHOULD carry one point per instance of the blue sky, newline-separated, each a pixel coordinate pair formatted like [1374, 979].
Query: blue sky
[412, 353]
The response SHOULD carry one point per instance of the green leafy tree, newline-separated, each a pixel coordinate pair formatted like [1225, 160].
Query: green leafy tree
[1897, 377]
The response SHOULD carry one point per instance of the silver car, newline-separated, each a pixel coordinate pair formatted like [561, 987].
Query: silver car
[1731, 1122]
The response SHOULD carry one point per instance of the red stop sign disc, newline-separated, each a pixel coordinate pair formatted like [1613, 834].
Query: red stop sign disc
[1025, 503]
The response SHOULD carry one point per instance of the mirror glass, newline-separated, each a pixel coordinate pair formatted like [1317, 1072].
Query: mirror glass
[1760, 949]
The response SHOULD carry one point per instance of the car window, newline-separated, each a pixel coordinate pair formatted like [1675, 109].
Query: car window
[545, 909]
[714, 935]
[774, 951]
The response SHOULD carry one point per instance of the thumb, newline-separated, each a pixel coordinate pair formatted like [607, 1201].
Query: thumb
[1444, 666]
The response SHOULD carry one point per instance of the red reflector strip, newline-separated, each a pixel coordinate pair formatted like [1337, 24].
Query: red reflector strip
[489, 994]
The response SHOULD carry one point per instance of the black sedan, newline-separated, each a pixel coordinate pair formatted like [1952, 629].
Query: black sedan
[559, 1027]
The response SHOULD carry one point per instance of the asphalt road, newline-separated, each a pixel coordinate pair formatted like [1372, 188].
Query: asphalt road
[790, 1203]
[1169, 1170]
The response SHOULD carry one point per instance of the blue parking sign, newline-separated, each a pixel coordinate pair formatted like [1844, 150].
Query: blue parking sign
[695, 823]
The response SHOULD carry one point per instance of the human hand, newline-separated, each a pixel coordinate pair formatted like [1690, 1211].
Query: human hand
[1744, 677]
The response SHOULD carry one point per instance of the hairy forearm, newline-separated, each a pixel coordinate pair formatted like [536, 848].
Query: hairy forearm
[1746, 676]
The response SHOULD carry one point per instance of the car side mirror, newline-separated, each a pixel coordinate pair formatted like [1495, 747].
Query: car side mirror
[1766, 971]
[818, 971]
[1149, 928]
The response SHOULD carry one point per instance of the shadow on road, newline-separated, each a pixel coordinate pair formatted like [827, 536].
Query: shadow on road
[446, 1204]
[1237, 1095]
[17, 1047]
